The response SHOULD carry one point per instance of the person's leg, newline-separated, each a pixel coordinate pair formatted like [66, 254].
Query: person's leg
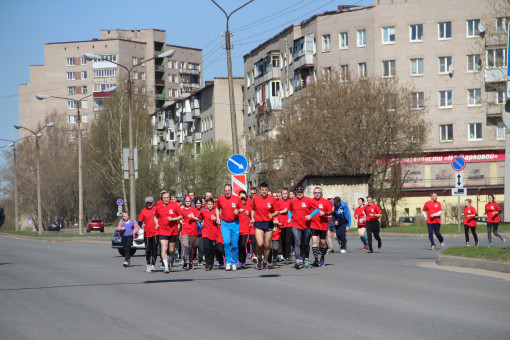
[172, 247]
[234, 234]
[147, 251]
[297, 246]
[289, 237]
[259, 237]
[274, 250]
[437, 228]
[220, 253]
[343, 237]
[489, 233]
[330, 243]
[430, 227]
[191, 250]
[475, 236]
[243, 240]
[323, 246]
[377, 229]
[253, 245]
[362, 237]
[369, 235]
[126, 245]
[315, 245]
[164, 253]
[495, 226]
[466, 233]
[227, 245]
[185, 250]
[267, 245]
[306, 246]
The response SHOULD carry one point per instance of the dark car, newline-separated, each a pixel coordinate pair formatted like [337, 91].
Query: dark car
[138, 243]
[408, 220]
[54, 226]
[481, 220]
[95, 224]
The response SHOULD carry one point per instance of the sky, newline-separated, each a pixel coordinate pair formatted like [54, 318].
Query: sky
[26, 25]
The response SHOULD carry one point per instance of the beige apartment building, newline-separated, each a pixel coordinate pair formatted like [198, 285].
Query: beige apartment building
[452, 52]
[201, 117]
[67, 73]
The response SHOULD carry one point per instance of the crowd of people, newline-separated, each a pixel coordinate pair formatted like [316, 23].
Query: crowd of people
[267, 227]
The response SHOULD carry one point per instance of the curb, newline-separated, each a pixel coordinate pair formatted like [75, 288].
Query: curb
[458, 261]
[56, 239]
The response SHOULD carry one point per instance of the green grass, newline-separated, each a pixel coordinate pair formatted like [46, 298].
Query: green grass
[36, 234]
[445, 229]
[485, 253]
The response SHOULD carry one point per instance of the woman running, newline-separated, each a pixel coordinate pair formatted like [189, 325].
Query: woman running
[492, 210]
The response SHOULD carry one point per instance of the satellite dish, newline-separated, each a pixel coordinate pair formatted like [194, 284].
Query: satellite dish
[481, 27]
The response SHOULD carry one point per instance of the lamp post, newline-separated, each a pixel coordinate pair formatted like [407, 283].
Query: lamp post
[77, 103]
[131, 158]
[37, 136]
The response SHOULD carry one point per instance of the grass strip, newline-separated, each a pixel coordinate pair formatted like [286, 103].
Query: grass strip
[484, 253]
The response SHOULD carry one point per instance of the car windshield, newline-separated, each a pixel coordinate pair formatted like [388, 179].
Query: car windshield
[96, 221]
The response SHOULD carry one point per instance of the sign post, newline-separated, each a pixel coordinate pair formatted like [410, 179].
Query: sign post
[506, 121]
[119, 202]
[459, 164]
[237, 165]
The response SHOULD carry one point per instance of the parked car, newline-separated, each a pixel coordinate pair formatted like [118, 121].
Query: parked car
[444, 174]
[95, 224]
[54, 226]
[408, 220]
[138, 243]
[475, 174]
[481, 220]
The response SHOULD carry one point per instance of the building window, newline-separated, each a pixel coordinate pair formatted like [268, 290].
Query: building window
[416, 33]
[344, 73]
[362, 38]
[418, 100]
[170, 63]
[249, 107]
[475, 131]
[98, 102]
[326, 43]
[445, 99]
[104, 72]
[417, 67]
[496, 57]
[71, 134]
[362, 70]
[388, 68]
[183, 65]
[344, 40]
[84, 104]
[175, 64]
[474, 97]
[71, 119]
[472, 28]
[500, 130]
[134, 60]
[143, 75]
[502, 25]
[84, 89]
[84, 118]
[83, 60]
[444, 30]
[106, 57]
[83, 74]
[69, 61]
[388, 35]
[134, 75]
[474, 63]
[71, 90]
[176, 79]
[446, 133]
[444, 64]
[71, 76]
[103, 87]
[71, 104]
[500, 95]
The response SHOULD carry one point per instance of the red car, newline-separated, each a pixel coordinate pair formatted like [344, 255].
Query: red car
[95, 224]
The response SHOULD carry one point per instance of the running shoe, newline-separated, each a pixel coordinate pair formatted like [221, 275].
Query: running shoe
[148, 270]
[172, 262]
[321, 263]
[503, 239]
[379, 244]
[125, 264]
[207, 268]
[191, 266]
[442, 244]
[184, 266]
[365, 246]
[287, 261]
[370, 251]
[255, 260]
[490, 245]
[275, 264]
[307, 264]
[432, 247]
[234, 267]
[167, 270]
[249, 255]
[476, 244]
[342, 251]
[228, 267]
[296, 265]
[259, 265]
[200, 263]
[162, 266]
[467, 244]
[153, 268]
[315, 263]
[264, 266]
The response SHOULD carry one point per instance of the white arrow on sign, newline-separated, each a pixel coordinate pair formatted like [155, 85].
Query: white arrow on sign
[239, 165]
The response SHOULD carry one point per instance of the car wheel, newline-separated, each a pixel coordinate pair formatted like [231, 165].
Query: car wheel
[132, 252]
[101, 230]
[88, 230]
[121, 252]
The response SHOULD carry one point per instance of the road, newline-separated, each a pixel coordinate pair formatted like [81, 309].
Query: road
[79, 290]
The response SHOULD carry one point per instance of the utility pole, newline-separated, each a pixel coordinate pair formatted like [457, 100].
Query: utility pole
[506, 121]
[228, 47]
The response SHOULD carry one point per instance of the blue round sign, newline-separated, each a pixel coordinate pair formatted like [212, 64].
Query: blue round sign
[120, 201]
[237, 164]
[458, 163]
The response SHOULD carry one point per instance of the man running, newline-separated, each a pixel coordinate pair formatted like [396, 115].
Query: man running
[189, 233]
[359, 215]
[286, 230]
[432, 211]
[319, 225]
[150, 233]
[373, 212]
[166, 218]
[342, 219]
[300, 210]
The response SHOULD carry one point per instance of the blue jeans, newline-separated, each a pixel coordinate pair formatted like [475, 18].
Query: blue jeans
[230, 233]
[341, 235]
[302, 242]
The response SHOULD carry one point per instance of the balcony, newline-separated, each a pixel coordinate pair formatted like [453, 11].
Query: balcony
[187, 117]
[160, 96]
[161, 125]
[195, 113]
[272, 73]
[273, 103]
[495, 40]
[495, 75]
[197, 136]
[306, 60]
[170, 145]
[188, 139]
[160, 82]
[188, 71]
[159, 68]
[261, 109]
[494, 110]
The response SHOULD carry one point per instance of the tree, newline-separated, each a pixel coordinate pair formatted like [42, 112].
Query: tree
[359, 126]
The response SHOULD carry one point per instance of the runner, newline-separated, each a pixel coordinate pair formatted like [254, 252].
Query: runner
[229, 207]
[359, 215]
[342, 219]
[244, 231]
[209, 232]
[300, 210]
[492, 210]
[432, 211]
[189, 233]
[319, 225]
[127, 228]
[199, 245]
[372, 213]
[275, 241]
[286, 229]
[166, 218]
[470, 222]
[146, 219]
[264, 208]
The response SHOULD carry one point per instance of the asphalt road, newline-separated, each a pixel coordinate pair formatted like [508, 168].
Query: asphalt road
[79, 290]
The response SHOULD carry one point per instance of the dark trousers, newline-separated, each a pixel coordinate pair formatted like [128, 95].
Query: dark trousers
[243, 245]
[341, 235]
[209, 249]
[286, 241]
[219, 251]
[494, 226]
[199, 248]
[434, 229]
[473, 231]
[127, 241]
[373, 227]
[253, 244]
[151, 249]
[273, 254]
[302, 241]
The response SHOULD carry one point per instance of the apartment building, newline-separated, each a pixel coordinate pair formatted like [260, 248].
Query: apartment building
[67, 73]
[435, 46]
[201, 117]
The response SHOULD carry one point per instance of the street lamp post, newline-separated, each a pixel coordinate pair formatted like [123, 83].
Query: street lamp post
[37, 136]
[131, 158]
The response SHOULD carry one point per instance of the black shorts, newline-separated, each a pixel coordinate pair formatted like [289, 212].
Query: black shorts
[321, 233]
[264, 226]
[172, 239]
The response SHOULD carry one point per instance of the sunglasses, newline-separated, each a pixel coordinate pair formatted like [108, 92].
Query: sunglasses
[317, 192]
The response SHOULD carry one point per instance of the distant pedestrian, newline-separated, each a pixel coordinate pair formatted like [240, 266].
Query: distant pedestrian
[372, 213]
[432, 211]
[319, 226]
[342, 219]
[359, 215]
[470, 222]
[210, 232]
[286, 230]
[189, 233]
[167, 217]
[492, 210]
[300, 213]
[127, 228]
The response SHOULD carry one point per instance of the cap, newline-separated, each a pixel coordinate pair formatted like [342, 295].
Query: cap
[187, 198]
[149, 199]
[300, 189]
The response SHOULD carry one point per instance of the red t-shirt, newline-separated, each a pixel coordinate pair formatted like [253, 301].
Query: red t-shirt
[321, 222]
[276, 231]
[372, 209]
[189, 226]
[264, 206]
[490, 209]
[300, 208]
[147, 217]
[209, 227]
[249, 201]
[163, 212]
[283, 218]
[470, 221]
[160, 202]
[431, 208]
[359, 212]
[244, 221]
[227, 207]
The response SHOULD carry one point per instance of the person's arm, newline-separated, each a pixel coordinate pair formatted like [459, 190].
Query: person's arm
[156, 222]
[290, 217]
[217, 213]
[379, 214]
[347, 213]
[119, 226]
[252, 212]
[135, 228]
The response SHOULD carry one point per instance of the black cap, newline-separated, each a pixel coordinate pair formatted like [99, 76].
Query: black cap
[300, 189]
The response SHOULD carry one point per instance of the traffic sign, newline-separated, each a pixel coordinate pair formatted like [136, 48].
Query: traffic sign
[458, 180]
[120, 202]
[238, 184]
[458, 163]
[237, 164]
[119, 211]
[459, 192]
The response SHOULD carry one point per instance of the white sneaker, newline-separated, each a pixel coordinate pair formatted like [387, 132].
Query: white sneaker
[153, 268]
[234, 267]
[442, 244]
[342, 251]
[490, 245]
[503, 239]
[167, 270]
[432, 247]
[148, 270]
[228, 267]
[125, 264]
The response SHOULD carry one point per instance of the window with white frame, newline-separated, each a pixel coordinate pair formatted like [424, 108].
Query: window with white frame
[71, 119]
[143, 75]
[446, 133]
[416, 33]
[83, 60]
[444, 30]
[71, 76]
[249, 107]
[103, 87]
[472, 28]
[84, 89]
[500, 95]
[418, 101]
[134, 60]
[275, 89]
[71, 90]
[98, 102]
[248, 80]
[444, 64]
[84, 104]
[474, 63]
[344, 40]
[496, 57]
[388, 68]
[445, 99]
[388, 35]
[344, 73]
[502, 25]
[69, 61]
[134, 75]
[326, 43]
[362, 70]
[183, 65]
[500, 134]
[474, 97]
[71, 104]
[417, 67]
[104, 72]
[83, 74]
[362, 38]
[71, 133]
[106, 57]
[169, 63]
[85, 118]
[475, 131]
